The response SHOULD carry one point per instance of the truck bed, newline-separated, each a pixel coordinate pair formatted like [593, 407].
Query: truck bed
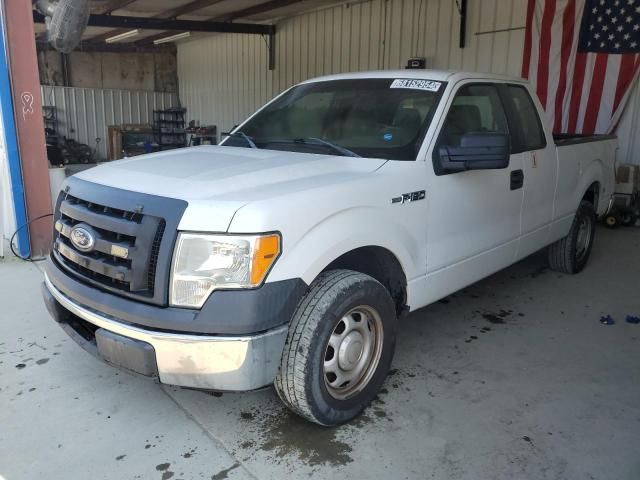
[583, 158]
[564, 139]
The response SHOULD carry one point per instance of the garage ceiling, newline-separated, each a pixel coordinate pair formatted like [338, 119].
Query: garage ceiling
[239, 11]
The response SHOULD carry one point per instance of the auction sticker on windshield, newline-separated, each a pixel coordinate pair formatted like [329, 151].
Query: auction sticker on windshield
[416, 84]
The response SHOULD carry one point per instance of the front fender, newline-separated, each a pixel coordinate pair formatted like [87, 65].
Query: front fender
[344, 231]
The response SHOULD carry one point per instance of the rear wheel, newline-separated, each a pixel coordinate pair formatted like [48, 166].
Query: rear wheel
[339, 348]
[570, 254]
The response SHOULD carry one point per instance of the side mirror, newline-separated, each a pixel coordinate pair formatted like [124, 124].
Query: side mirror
[477, 151]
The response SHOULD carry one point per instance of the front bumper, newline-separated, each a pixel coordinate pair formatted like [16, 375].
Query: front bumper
[228, 363]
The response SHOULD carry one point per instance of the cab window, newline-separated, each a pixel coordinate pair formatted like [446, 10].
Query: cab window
[476, 108]
[532, 135]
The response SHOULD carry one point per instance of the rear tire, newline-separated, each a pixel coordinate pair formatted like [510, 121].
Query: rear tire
[339, 348]
[571, 253]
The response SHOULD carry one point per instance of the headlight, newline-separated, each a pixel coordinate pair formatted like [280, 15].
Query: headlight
[203, 263]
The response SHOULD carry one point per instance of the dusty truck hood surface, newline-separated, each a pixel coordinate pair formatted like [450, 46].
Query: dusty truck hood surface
[216, 181]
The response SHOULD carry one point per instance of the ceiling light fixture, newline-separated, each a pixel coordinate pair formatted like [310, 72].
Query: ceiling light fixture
[123, 36]
[172, 38]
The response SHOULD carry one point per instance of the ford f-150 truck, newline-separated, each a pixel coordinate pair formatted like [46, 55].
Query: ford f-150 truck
[288, 254]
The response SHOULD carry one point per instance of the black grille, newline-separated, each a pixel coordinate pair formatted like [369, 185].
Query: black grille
[155, 252]
[97, 277]
[124, 256]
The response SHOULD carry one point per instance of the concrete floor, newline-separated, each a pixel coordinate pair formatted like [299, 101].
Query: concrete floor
[512, 378]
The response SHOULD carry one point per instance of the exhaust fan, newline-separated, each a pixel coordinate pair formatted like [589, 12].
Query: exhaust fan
[66, 21]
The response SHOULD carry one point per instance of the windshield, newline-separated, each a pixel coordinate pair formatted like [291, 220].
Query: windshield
[380, 118]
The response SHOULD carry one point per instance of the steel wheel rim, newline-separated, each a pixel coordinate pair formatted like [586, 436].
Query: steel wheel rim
[353, 352]
[583, 239]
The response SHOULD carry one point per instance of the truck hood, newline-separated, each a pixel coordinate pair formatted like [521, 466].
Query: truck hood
[216, 181]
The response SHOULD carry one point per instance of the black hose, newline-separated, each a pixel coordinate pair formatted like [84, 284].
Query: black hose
[11, 246]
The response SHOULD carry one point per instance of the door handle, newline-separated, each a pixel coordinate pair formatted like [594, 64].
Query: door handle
[517, 179]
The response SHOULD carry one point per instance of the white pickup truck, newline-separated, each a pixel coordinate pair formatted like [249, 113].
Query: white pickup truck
[288, 254]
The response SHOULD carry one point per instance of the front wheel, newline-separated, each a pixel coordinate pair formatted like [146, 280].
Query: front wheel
[570, 254]
[339, 348]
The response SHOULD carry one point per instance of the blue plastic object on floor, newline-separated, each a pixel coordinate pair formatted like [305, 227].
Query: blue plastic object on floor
[632, 319]
[607, 320]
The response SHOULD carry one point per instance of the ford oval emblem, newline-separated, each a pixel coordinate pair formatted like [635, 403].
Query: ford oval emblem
[82, 238]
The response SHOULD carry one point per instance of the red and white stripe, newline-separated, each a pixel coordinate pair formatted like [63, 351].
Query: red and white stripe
[582, 93]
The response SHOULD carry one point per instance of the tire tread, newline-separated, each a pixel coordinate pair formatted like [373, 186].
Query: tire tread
[290, 381]
[560, 254]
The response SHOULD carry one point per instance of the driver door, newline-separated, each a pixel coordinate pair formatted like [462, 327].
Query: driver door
[474, 215]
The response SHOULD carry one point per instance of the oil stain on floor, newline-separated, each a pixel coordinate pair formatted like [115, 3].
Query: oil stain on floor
[288, 438]
[285, 434]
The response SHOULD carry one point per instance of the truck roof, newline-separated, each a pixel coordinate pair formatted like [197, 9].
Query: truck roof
[438, 75]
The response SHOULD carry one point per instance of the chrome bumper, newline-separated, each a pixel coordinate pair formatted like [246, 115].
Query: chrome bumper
[236, 363]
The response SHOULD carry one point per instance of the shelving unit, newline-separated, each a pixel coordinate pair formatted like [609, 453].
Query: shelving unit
[50, 118]
[131, 140]
[205, 135]
[169, 128]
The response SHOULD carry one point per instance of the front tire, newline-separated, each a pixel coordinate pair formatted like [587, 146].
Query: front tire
[339, 348]
[571, 253]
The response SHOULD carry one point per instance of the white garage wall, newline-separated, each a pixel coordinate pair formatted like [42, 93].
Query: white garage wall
[224, 78]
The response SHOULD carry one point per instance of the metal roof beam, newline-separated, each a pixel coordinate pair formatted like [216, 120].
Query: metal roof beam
[255, 10]
[173, 13]
[108, 7]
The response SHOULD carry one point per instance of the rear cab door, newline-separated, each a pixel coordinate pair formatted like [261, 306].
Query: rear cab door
[473, 224]
[534, 145]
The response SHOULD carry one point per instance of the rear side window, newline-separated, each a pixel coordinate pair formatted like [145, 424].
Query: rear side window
[532, 133]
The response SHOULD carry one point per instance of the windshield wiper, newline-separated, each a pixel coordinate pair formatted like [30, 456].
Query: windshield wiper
[319, 141]
[246, 138]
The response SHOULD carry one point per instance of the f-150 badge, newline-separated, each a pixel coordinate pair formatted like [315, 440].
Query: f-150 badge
[409, 197]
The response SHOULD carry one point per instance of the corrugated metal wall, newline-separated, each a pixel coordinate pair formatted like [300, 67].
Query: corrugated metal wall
[224, 78]
[628, 130]
[85, 113]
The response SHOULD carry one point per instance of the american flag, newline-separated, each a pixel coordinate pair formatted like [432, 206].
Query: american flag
[582, 57]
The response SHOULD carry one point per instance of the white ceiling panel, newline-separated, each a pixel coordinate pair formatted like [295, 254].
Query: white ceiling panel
[222, 8]
[228, 6]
